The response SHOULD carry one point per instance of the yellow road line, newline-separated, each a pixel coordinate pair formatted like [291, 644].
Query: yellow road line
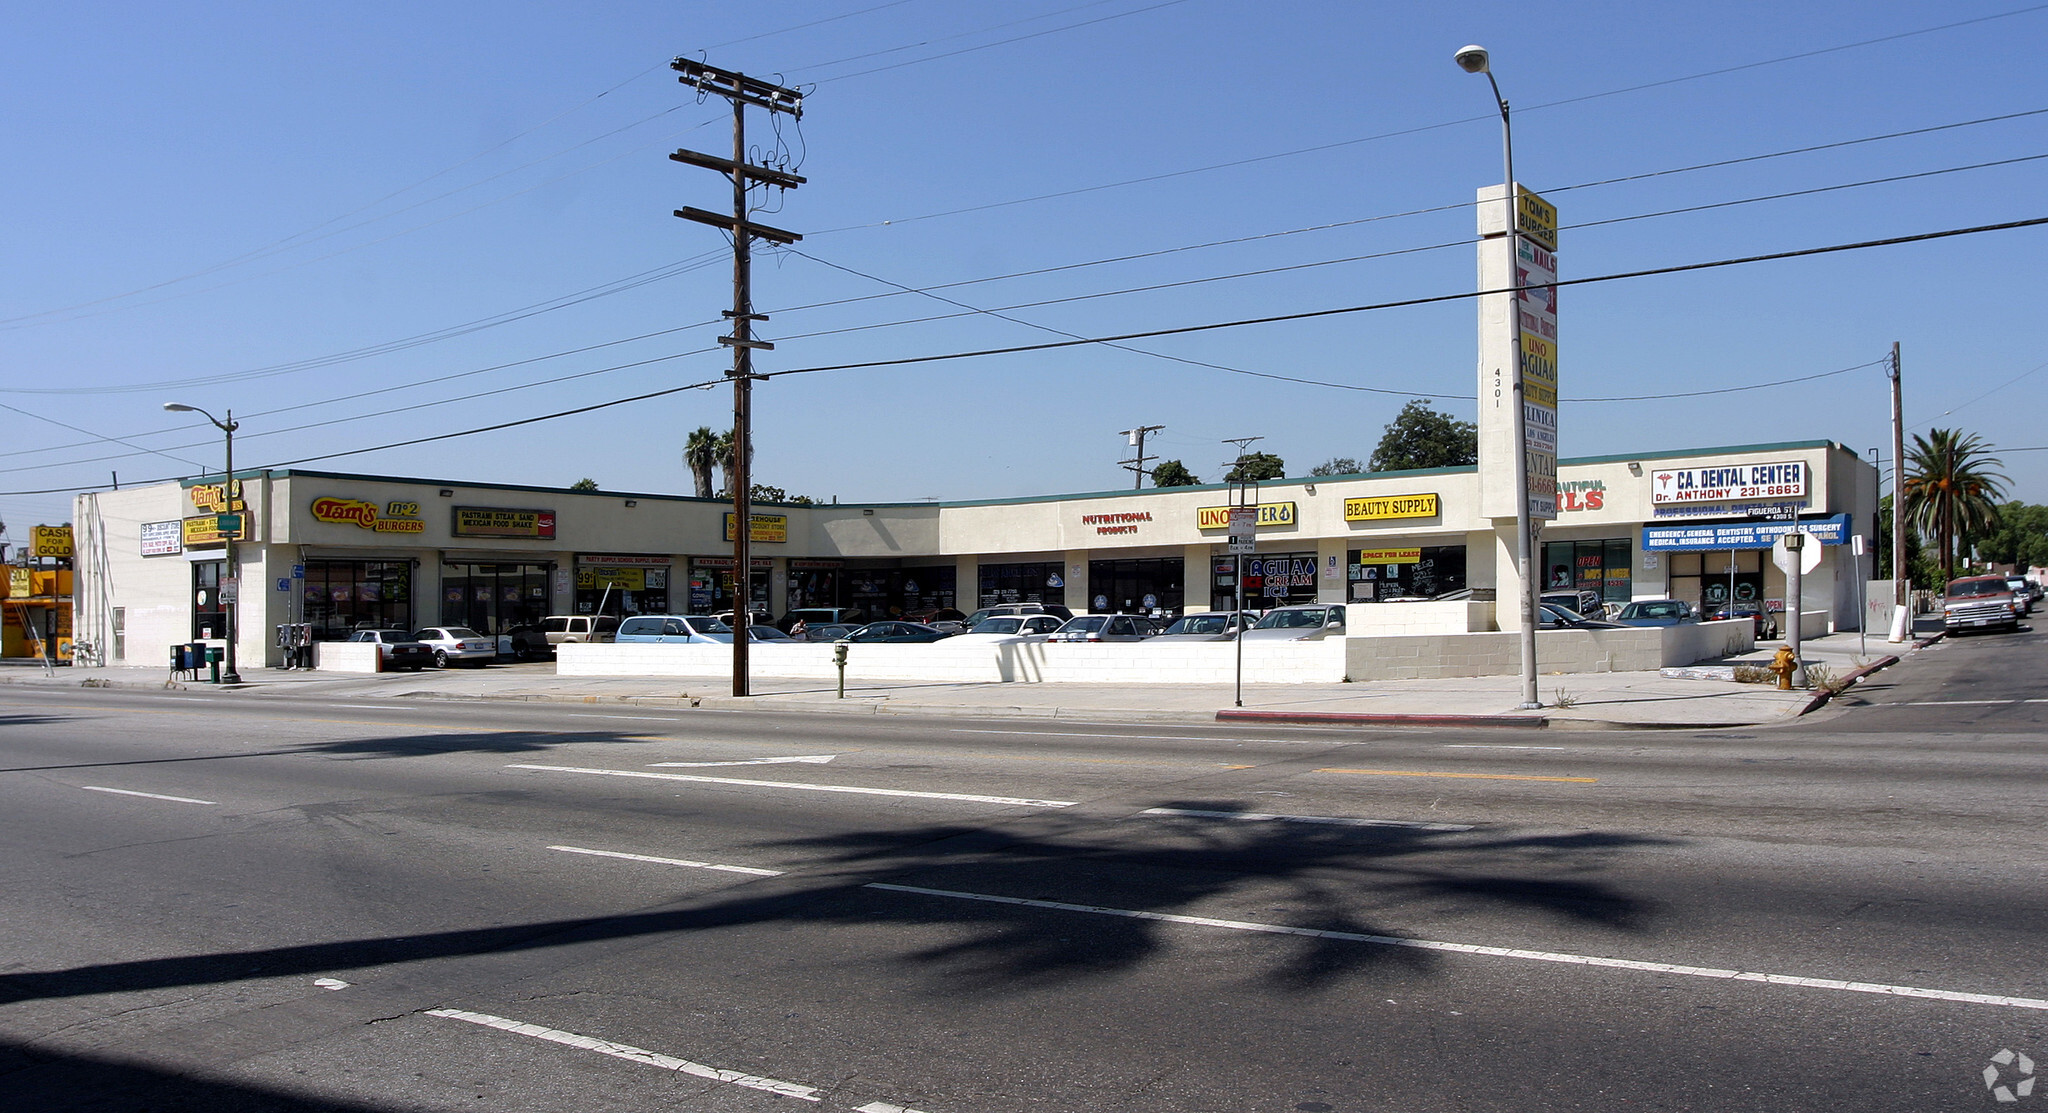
[1472, 776]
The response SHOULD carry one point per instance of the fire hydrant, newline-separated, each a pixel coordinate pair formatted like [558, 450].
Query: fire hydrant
[1784, 664]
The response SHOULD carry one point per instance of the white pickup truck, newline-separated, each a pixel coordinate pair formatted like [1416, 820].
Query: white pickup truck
[579, 628]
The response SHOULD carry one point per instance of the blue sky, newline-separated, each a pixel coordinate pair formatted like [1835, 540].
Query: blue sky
[262, 207]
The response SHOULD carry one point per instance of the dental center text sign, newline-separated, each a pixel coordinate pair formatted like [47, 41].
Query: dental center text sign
[1735, 482]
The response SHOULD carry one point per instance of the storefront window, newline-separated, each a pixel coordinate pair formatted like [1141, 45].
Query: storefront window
[1135, 586]
[711, 584]
[813, 584]
[209, 618]
[346, 595]
[619, 588]
[1379, 575]
[1033, 582]
[1601, 567]
[890, 592]
[1270, 580]
[493, 598]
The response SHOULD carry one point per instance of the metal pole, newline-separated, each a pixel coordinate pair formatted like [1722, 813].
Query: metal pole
[233, 606]
[1524, 557]
[1902, 619]
[1795, 573]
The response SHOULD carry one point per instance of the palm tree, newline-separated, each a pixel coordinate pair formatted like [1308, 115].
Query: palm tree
[700, 454]
[1952, 490]
[723, 443]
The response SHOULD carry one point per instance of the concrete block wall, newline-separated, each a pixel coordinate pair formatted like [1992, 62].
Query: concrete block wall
[1311, 662]
[1409, 619]
[345, 656]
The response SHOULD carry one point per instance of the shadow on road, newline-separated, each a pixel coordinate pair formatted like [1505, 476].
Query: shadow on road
[47, 1081]
[1357, 880]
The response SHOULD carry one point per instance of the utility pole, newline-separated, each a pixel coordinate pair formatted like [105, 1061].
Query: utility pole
[742, 91]
[1902, 618]
[1244, 500]
[1137, 441]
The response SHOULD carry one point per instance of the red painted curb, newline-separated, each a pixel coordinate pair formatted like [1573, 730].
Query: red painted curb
[1535, 722]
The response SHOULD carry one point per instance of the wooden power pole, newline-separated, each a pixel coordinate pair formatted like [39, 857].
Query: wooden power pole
[742, 91]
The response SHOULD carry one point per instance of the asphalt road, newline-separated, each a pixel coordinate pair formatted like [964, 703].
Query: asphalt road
[230, 902]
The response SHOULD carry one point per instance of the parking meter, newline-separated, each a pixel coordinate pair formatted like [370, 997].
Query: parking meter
[839, 659]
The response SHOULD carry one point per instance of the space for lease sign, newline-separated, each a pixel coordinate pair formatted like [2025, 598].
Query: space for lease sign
[1730, 482]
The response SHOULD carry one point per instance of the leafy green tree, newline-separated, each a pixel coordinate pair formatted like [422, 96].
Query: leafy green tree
[700, 455]
[1338, 465]
[584, 484]
[1420, 437]
[1952, 489]
[1254, 466]
[2021, 538]
[1173, 473]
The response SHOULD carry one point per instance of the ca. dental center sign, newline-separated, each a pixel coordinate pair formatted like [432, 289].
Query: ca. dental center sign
[1744, 482]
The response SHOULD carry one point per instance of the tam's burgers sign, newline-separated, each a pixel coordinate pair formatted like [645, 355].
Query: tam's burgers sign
[396, 517]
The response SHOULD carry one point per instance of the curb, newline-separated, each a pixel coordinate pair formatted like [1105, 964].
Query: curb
[1849, 680]
[1528, 722]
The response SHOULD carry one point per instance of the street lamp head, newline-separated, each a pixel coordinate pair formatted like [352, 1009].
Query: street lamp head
[1471, 59]
[178, 407]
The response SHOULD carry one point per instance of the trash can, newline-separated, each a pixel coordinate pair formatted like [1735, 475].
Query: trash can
[213, 656]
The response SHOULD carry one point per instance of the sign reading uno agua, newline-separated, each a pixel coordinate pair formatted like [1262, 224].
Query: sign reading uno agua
[398, 517]
[1270, 514]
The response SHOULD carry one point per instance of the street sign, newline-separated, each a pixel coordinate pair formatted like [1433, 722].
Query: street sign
[1809, 554]
[1244, 525]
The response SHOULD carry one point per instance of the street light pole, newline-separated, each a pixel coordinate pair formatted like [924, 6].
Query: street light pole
[229, 606]
[1474, 59]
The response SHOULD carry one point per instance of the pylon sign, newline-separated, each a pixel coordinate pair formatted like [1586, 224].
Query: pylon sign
[1530, 317]
[50, 541]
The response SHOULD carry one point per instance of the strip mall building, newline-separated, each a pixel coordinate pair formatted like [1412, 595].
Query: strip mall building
[344, 552]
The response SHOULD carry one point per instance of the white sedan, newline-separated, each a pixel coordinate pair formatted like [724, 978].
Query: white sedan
[457, 643]
[1007, 628]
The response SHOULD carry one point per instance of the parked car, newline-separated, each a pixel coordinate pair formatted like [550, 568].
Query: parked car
[1656, 612]
[2022, 592]
[526, 643]
[825, 632]
[767, 633]
[1302, 623]
[1103, 628]
[1007, 628]
[1555, 617]
[754, 618]
[943, 618]
[1584, 603]
[457, 643]
[561, 628]
[1766, 623]
[396, 649]
[820, 616]
[977, 617]
[896, 631]
[674, 629]
[1977, 602]
[1208, 626]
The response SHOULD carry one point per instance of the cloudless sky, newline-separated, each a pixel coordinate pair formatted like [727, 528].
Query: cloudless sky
[361, 224]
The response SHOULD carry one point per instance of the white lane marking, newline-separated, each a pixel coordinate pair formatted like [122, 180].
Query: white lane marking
[330, 983]
[883, 1107]
[640, 718]
[1494, 746]
[632, 1054]
[1340, 821]
[196, 699]
[150, 795]
[375, 706]
[1958, 702]
[1017, 800]
[815, 759]
[1496, 952]
[668, 861]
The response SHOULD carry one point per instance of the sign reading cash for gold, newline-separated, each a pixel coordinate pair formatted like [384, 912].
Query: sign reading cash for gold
[1390, 506]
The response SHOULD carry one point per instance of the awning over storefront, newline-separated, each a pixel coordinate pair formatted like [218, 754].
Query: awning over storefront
[1707, 536]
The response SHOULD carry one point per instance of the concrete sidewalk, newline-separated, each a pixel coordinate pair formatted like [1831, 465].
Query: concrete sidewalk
[1585, 701]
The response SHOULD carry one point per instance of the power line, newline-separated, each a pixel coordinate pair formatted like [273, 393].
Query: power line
[1736, 389]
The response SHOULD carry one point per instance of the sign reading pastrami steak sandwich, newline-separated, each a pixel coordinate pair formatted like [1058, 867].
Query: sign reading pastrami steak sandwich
[491, 521]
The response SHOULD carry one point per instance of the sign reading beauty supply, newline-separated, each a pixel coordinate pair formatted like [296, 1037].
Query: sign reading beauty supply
[1390, 506]
[492, 521]
[1730, 482]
